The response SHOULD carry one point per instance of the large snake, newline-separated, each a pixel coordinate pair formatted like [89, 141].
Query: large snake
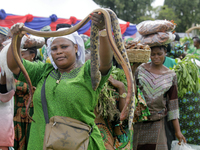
[111, 21]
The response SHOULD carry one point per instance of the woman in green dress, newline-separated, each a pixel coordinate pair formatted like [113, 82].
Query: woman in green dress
[68, 83]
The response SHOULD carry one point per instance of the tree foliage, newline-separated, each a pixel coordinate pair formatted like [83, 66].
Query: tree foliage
[164, 12]
[133, 11]
[185, 13]
[188, 11]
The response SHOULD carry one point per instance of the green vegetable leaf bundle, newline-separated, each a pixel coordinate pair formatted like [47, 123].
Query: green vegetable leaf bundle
[187, 75]
[106, 106]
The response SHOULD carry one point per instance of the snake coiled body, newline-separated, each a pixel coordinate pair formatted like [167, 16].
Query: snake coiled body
[111, 21]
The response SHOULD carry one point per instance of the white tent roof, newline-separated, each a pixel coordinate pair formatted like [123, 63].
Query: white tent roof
[45, 8]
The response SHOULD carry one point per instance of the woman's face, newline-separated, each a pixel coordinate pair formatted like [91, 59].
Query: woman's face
[196, 44]
[27, 55]
[63, 52]
[157, 55]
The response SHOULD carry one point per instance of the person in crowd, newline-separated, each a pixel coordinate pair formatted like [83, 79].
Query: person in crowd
[6, 110]
[157, 83]
[76, 99]
[42, 52]
[196, 49]
[21, 122]
[168, 61]
[3, 36]
[62, 25]
[176, 50]
[29, 53]
[113, 133]
[6, 103]
[196, 41]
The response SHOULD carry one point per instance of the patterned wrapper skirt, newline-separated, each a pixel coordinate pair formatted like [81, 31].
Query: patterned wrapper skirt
[150, 135]
[110, 140]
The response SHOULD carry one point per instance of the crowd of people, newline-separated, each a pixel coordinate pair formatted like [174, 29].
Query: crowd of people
[59, 69]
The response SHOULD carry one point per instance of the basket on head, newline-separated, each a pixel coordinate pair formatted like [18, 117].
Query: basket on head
[138, 55]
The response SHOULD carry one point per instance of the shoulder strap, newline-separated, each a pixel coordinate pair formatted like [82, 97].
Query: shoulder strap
[44, 103]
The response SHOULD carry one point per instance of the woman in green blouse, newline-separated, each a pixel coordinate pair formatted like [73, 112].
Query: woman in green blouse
[68, 83]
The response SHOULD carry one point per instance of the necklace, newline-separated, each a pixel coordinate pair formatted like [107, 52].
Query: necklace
[58, 81]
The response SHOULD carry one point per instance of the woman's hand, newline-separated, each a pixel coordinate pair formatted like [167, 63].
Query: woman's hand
[180, 137]
[115, 83]
[16, 29]
[98, 20]
[178, 133]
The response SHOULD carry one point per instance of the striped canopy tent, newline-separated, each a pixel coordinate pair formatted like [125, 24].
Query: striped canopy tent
[54, 14]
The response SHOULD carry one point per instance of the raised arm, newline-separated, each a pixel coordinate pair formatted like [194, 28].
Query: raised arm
[12, 65]
[105, 53]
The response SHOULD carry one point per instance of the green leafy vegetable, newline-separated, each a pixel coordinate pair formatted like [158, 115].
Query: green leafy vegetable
[187, 75]
[107, 98]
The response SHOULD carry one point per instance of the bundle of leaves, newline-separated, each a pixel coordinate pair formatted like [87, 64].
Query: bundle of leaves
[186, 40]
[107, 101]
[187, 75]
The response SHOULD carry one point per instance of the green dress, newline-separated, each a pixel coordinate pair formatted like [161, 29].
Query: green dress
[72, 97]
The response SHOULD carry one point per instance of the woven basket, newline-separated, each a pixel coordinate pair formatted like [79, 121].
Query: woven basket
[138, 55]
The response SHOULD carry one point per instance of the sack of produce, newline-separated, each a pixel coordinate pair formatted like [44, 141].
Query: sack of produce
[157, 39]
[29, 41]
[149, 27]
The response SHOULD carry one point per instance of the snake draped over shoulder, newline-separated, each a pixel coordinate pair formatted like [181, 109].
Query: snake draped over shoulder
[111, 22]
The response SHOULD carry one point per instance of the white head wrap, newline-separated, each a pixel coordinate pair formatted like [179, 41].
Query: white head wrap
[76, 39]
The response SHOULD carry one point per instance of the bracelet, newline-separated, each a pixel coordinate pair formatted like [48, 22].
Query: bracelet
[123, 95]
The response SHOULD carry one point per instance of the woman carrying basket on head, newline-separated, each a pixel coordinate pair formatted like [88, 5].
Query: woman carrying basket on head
[157, 83]
[68, 87]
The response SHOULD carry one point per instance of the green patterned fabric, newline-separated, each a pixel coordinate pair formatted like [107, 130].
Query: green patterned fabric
[190, 117]
[141, 111]
[176, 50]
[22, 123]
[144, 109]
[72, 97]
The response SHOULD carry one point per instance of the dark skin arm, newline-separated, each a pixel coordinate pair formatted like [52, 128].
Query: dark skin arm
[121, 89]
[15, 29]
[177, 129]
